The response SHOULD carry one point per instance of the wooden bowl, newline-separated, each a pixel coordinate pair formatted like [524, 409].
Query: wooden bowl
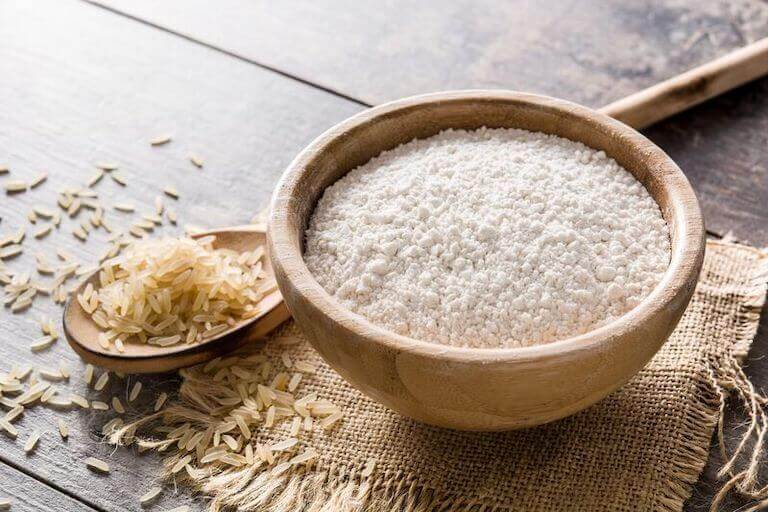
[470, 388]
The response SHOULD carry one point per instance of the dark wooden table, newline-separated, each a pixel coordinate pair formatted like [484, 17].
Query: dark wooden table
[247, 84]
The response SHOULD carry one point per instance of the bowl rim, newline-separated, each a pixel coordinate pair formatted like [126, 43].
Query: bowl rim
[687, 247]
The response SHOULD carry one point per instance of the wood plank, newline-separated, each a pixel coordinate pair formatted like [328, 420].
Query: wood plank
[589, 51]
[31, 495]
[82, 85]
[721, 146]
[393, 49]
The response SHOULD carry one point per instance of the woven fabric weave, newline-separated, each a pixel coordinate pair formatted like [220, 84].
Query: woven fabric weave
[640, 449]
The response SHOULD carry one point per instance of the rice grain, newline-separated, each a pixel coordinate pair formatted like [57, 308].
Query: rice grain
[16, 186]
[135, 390]
[42, 343]
[43, 231]
[31, 442]
[161, 140]
[160, 401]
[96, 178]
[150, 495]
[63, 428]
[117, 178]
[98, 405]
[125, 207]
[97, 465]
[38, 180]
[79, 400]
[101, 381]
[8, 428]
[117, 405]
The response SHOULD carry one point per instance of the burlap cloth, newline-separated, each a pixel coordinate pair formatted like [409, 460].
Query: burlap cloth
[642, 448]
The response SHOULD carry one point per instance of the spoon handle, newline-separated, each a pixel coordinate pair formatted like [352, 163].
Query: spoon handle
[699, 84]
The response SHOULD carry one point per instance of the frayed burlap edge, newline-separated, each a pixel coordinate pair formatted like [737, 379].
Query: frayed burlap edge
[329, 487]
[728, 380]
[725, 379]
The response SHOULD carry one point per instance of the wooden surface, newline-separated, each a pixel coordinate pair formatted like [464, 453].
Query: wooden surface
[403, 48]
[697, 85]
[520, 387]
[591, 52]
[81, 84]
[30, 495]
[722, 146]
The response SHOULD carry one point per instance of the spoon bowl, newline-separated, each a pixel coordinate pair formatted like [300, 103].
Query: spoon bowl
[82, 332]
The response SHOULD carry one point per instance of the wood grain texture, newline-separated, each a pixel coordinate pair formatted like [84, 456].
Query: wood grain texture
[30, 495]
[472, 388]
[80, 86]
[589, 51]
[722, 146]
[398, 48]
[692, 87]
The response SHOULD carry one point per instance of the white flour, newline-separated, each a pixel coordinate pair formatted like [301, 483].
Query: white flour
[488, 238]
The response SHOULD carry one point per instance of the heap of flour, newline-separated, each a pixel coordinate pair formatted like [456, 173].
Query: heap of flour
[488, 238]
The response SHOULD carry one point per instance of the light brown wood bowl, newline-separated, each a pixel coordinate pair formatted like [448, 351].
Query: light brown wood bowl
[469, 388]
[82, 332]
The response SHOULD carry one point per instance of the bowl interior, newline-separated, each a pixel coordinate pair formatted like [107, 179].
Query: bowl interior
[362, 137]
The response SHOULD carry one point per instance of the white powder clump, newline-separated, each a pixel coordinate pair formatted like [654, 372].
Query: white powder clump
[488, 238]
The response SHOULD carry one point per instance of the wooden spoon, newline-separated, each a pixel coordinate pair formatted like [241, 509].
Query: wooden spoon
[82, 332]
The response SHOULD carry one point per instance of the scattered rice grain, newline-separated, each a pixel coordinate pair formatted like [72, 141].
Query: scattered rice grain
[8, 428]
[16, 186]
[88, 374]
[10, 251]
[31, 442]
[160, 401]
[101, 381]
[14, 413]
[98, 405]
[79, 400]
[80, 234]
[117, 178]
[117, 405]
[96, 178]
[42, 343]
[97, 464]
[39, 179]
[63, 428]
[150, 495]
[44, 231]
[135, 390]
[125, 207]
